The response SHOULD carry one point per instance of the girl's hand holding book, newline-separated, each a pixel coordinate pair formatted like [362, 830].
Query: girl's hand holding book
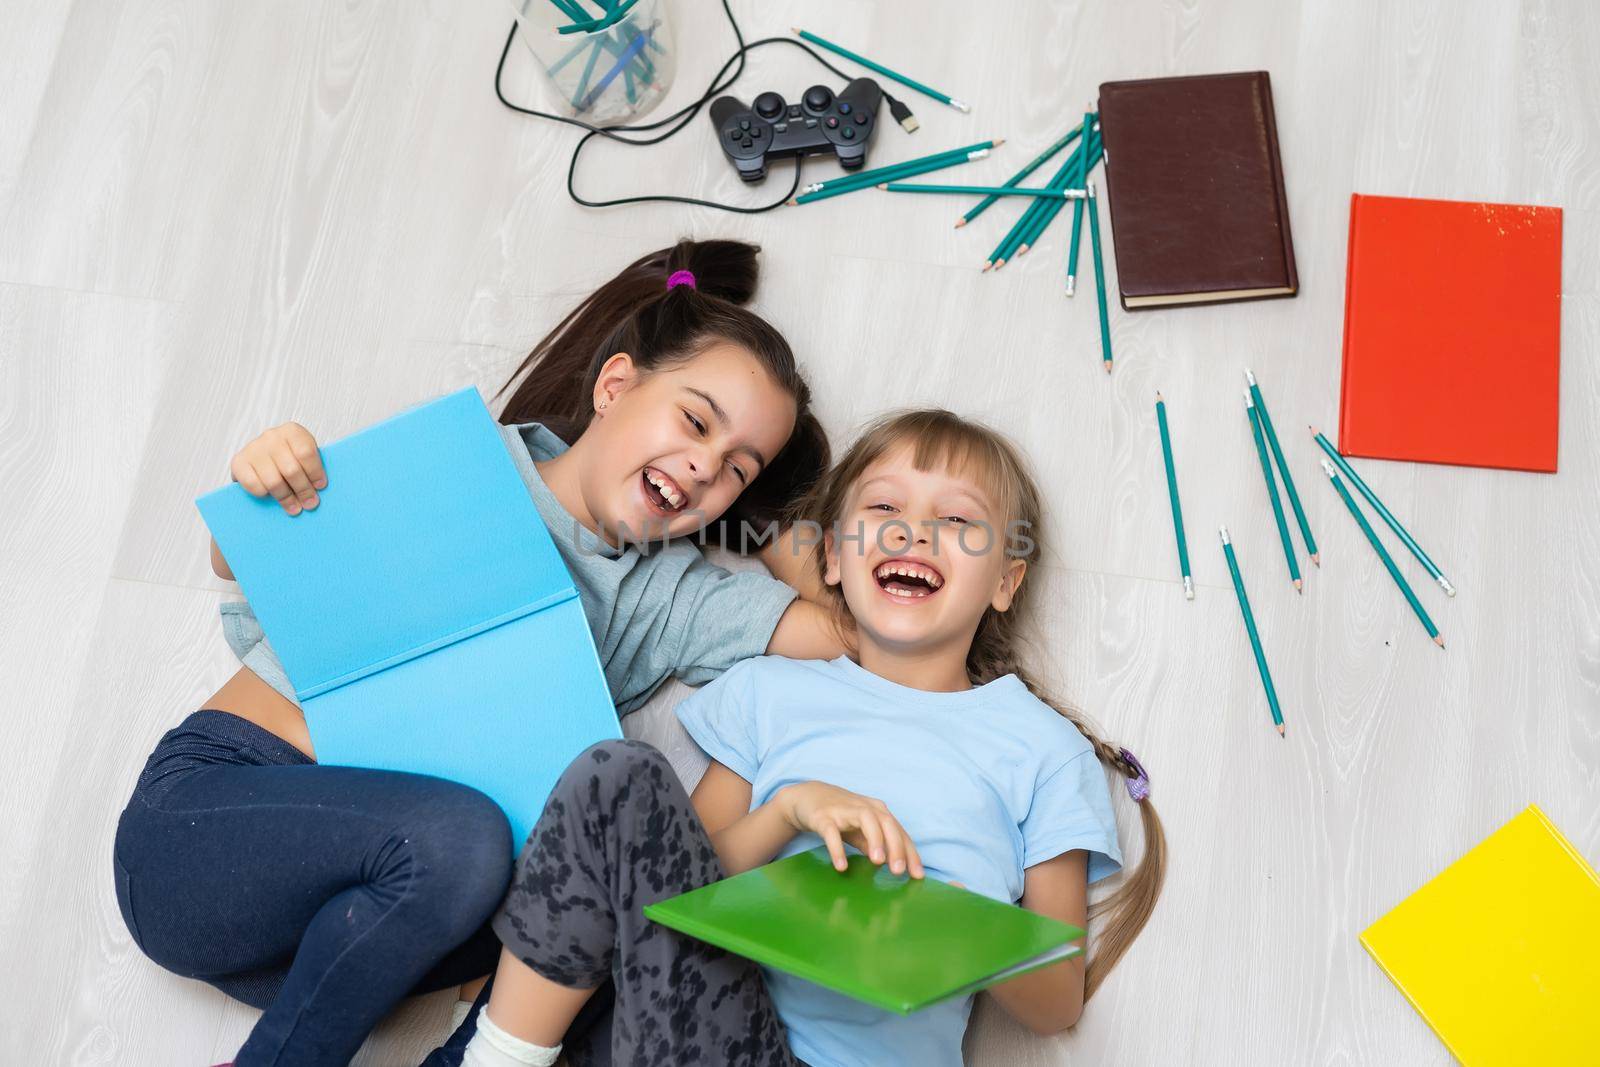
[839, 817]
[284, 462]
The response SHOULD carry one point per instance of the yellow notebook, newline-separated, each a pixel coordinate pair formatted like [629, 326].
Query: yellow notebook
[1500, 953]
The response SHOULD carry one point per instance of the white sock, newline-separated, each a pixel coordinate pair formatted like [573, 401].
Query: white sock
[493, 1047]
[458, 1014]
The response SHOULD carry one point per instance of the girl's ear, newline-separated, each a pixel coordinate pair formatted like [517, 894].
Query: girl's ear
[617, 374]
[830, 572]
[1010, 582]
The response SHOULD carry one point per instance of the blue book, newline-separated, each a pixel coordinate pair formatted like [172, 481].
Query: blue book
[421, 610]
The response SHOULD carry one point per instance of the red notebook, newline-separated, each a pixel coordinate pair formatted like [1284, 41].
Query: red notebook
[1452, 333]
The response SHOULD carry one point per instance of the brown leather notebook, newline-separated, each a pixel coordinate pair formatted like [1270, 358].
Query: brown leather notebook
[1198, 210]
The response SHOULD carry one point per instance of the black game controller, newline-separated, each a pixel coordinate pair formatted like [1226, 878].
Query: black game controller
[821, 122]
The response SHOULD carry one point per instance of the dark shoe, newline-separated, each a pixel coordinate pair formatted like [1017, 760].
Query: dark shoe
[451, 1052]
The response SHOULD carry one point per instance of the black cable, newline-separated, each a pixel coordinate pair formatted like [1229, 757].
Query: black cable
[686, 113]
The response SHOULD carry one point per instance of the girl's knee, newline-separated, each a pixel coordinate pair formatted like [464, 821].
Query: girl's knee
[609, 779]
[615, 761]
[460, 852]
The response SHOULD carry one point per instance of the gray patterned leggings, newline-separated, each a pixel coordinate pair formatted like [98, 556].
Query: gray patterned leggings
[617, 833]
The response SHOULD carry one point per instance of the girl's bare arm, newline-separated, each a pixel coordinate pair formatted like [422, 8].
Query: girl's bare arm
[810, 631]
[1050, 999]
[745, 839]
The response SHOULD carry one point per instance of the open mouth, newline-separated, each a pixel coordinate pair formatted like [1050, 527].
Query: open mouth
[662, 492]
[907, 579]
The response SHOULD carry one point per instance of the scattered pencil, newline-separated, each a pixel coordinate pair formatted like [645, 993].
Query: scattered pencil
[1016, 179]
[925, 90]
[1023, 230]
[1383, 554]
[1172, 495]
[1383, 512]
[1072, 183]
[982, 190]
[1283, 468]
[908, 167]
[1272, 490]
[851, 183]
[1085, 154]
[1099, 276]
[1250, 628]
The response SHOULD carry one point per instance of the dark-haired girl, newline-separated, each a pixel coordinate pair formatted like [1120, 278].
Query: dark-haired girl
[660, 407]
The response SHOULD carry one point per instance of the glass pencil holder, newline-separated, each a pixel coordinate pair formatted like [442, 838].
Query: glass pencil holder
[614, 62]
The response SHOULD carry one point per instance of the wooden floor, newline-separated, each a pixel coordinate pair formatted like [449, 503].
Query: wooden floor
[216, 216]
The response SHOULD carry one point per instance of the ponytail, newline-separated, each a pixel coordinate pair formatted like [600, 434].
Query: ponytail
[635, 312]
[1122, 913]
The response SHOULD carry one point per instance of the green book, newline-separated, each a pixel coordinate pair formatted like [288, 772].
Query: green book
[891, 941]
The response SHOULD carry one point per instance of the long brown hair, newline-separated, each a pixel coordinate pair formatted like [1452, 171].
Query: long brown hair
[636, 313]
[945, 441]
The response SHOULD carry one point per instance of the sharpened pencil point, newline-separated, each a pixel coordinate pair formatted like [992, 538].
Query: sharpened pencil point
[987, 264]
[795, 30]
[1299, 586]
[960, 223]
[792, 202]
[998, 141]
[1313, 430]
[1439, 641]
[1158, 397]
[1281, 733]
[1108, 366]
[1022, 250]
[1316, 557]
[999, 263]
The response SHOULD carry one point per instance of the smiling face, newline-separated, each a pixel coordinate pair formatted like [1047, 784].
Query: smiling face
[668, 451]
[930, 559]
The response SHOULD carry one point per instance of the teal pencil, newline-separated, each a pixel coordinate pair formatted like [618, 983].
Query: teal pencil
[1048, 211]
[984, 190]
[1283, 468]
[889, 170]
[588, 71]
[1383, 554]
[1077, 210]
[1028, 227]
[611, 18]
[1250, 628]
[1384, 513]
[911, 168]
[1099, 276]
[1272, 490]
[1019, 229]
[1172, 495]
[881, 69]
[1016, 179]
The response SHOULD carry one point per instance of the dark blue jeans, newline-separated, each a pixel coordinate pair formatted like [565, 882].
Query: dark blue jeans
[321, 895]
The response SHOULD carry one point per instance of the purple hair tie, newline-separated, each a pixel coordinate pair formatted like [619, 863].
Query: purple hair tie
[1139, 784]
[681, 277]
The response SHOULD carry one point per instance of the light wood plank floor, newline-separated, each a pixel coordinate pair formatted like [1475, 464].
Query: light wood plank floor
[216, 216]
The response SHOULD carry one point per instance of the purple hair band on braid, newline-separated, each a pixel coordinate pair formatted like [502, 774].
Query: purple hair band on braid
[681, 277]
[1139, 784]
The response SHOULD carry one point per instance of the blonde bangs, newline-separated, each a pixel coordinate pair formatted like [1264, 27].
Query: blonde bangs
[942, 441]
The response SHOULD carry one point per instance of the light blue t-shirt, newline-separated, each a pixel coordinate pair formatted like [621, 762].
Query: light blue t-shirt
[656, 613]
[987, 782]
